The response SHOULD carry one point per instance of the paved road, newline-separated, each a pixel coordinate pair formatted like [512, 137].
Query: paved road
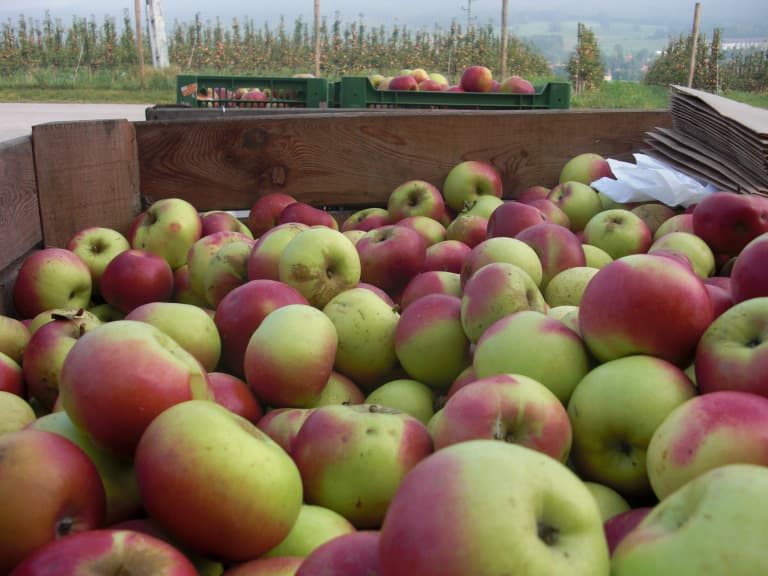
[18, 119]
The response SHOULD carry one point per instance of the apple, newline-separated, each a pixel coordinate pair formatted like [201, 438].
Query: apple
[415, 198]
[407, 395]
[135, 277]
[720, 294]
[721, 528]
[677, 223]
[49, 489]
[390, 256]
[14, 335]
[96, 246]
[748, 275]
[241, 312]
[705, 432]
[732, 353]
[15, 412]
[358, 477]
[502, 249]
[227, 270]
[11, 376]
[430, 229]
[289, 357]
[728, 221]
[654, 214]
[610, 502]
[468, 180]
[516, 84]
[532, 344]
[430, 282]
[366, 219]
[117, 476]
[595, 257]
[283, 424]
[314, 527]
[499, 508]
[619, 526]
[698, 252]
[354, 235]
[191, 326]
[339, 390]
[235, 395]
[51, 278]
[585, 168]
[265, 212]
[507, 407]
[615, 410]
[578, 200]
[471, 229]
[430, 341]
[203, 251]
[320, 263]
[483, 205]
[307, 214]
[277, 566]
[645, 304]
[45, 354]
[512, 217]
[107, 551]
[476, 79]
[264, 258]
[556, 246]
[494, 291]
[220, 221]
[535, 192]
[182, 290]
[119, 376]
[440, 78]
[429, 85]
[194, 466]
[403, 82]
[552, 212]
[168, 228]
[618, 232]
[567, 287]
[356, 553]
[446, 256]
[419, 74]
[365, 325]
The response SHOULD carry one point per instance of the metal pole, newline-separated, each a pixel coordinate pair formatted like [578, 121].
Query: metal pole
[694, 43]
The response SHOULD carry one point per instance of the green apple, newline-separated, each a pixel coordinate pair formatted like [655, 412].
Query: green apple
[615, 410]
[194, 466]
[97, 245]
[168, 227]
[608, 500]
[596, 257]
[468, 180]
[713, 524]
[567, 314]
[227, 270]
[14, 336]
[339, 390]
[532, 344]
[365, 325]
[191, 326]
[407, 395]
[567, 286]
[654, 214]
[585, 168]
[579, 201]
[484, 507]
[502, 249]
[320, 263]
[264, 261]
[314, 526]
[15, 412]
[619, 232]
[202, 252]
[483, 205]
[11, 376]
[698, 252]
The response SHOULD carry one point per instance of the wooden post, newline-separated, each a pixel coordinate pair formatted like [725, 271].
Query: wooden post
[504, 10]
[139, 43]
[694, 43]
[317, 38]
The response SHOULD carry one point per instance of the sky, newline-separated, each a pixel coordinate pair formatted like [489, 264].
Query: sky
[677, 13]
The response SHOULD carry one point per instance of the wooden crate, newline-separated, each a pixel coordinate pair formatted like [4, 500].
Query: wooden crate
[66, 176]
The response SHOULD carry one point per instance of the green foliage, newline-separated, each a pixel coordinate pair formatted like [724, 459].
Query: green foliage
[673, 66]
[585, 65]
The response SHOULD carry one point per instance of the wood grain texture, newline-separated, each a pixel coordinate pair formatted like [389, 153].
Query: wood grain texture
[87, 175]
[20, 228]
[358, 158]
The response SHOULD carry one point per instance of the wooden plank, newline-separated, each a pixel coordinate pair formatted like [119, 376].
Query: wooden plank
[19, 213]
[87, 175]
[358, 158]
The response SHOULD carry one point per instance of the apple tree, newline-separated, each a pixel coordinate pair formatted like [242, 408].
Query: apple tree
[585, 65]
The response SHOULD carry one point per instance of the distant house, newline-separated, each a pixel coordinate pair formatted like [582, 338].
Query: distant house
[744, 44]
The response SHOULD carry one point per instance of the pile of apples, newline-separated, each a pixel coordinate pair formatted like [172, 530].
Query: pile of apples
[475, 78]
[456, 383]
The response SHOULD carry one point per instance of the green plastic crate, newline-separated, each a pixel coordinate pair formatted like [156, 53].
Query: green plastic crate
[359, 92]
[222, 91]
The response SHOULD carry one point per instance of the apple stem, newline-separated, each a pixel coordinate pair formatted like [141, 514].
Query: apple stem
[548, 534]
[64, 527]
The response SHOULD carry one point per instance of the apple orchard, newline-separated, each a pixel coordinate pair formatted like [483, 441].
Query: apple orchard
[458, 382]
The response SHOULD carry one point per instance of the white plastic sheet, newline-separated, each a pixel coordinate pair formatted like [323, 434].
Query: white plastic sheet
[648, 180]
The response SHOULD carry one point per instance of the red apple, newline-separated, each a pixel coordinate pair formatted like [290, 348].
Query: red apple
[403, 82]
[446, 255]
[366, 219]
[390, 256]
[307, 214]
[513, 217]
[265, 212]
[749, 275]
[354, 554]
[516, 85]
[235, 395]
[556, 246]
[264, 259]
[476, 79]
[622, 524]
[430, 282]
[728, 221]
[471, 229]
[136, 277]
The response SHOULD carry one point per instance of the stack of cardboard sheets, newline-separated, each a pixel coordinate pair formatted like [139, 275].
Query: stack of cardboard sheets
[715, 140]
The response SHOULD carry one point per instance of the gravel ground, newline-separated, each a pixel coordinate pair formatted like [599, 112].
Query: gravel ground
[17, 119]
